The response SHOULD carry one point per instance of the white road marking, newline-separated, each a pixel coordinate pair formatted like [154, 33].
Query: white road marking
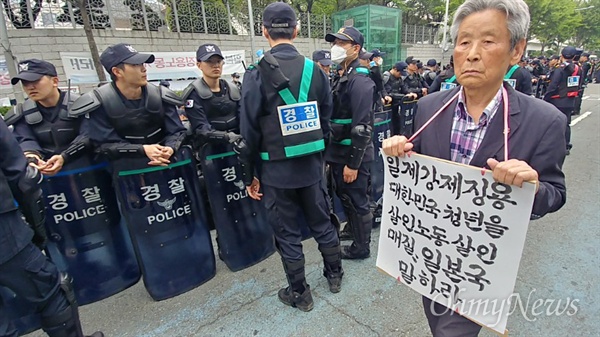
[580, 118]
[585, 97]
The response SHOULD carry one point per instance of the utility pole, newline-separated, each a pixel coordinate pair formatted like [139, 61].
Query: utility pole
[444, 45]
[251, 16]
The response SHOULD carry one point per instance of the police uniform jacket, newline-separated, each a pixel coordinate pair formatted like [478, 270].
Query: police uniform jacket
[355, 93]
[523, 78]
[558, 82]
[224, 108]
[292, 172]
[414, 83]
[437, 82]
[536, 136]
[101, 131]
[28, 140]
[14, 235]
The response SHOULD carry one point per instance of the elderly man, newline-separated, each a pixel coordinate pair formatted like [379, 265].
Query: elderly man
[489, 37]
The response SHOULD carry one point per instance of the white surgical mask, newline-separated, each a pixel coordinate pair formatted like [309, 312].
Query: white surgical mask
[338, 54]
[379, 61]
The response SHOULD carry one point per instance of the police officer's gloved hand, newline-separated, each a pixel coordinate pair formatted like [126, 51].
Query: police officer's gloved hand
[233, 138]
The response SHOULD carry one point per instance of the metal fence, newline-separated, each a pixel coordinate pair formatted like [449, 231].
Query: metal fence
[193, 16]
[188, 16]
[414, 34]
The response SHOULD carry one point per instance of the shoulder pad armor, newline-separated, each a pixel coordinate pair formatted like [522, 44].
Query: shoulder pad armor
[70, 98]
[84, 104]
[170, 97]
[201, 89]
[34, 117]
[234, 92]
[14, 114]
[187, 91]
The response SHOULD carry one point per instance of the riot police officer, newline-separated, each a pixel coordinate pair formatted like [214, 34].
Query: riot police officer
[396, 91]
[445, 80]
[323, 59]
[414, 82]
[211, 102]
[23, 267]
[48, 136]
[129, 118]
[284, 120]
[586, 67]
[350, 149]
[564, 88]
[519, 78]
[431, 72]
[235, 78]
[581, 61]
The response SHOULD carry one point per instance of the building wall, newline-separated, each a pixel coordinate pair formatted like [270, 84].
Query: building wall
[48, 43]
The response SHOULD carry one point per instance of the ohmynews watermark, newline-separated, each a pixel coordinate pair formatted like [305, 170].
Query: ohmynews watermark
[530, 308]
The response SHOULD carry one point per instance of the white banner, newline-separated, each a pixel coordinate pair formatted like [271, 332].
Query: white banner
[4, 75]
[454, 235]
[169, 65]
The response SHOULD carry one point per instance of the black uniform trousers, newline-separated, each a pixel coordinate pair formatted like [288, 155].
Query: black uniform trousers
[444, 322]
[568, 112]
[32, 276]
[357, 190]
[283, 211]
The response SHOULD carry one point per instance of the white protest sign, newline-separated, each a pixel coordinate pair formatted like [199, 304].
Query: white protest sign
[168, 65]
[454, 235]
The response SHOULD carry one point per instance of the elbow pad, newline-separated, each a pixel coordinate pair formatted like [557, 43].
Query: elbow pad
[361, 138]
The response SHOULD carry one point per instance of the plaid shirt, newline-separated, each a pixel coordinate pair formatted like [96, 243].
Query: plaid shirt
[466, 136]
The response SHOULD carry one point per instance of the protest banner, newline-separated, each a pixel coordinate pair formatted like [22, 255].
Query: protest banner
[454, 235]
[79, 67]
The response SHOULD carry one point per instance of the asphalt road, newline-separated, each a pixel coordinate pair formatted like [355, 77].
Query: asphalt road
[560, 262]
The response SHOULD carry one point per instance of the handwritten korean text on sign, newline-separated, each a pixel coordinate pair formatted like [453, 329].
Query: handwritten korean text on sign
[453, 234]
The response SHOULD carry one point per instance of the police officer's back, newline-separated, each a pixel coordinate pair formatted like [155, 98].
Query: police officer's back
[519, 78]
[23, 267]
[129, 117]
[446, 78]
[47, 134]
[286, 105]
[564, 87]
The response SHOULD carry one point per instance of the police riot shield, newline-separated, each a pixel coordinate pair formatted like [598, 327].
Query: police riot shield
[165, 217]
[382, 124]
[407, 115]
[20, 313]
[243, 234]
[87, 237]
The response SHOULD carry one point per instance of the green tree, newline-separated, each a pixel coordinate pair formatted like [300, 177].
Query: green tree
[587, 35]
[553, 22]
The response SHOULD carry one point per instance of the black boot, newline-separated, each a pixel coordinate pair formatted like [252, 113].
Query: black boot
[347, 233]
[360, 247]
[332, 270]
[66, 323]
[298, 293]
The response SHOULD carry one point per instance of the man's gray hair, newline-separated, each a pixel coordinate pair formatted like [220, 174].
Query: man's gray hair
[517, 13]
